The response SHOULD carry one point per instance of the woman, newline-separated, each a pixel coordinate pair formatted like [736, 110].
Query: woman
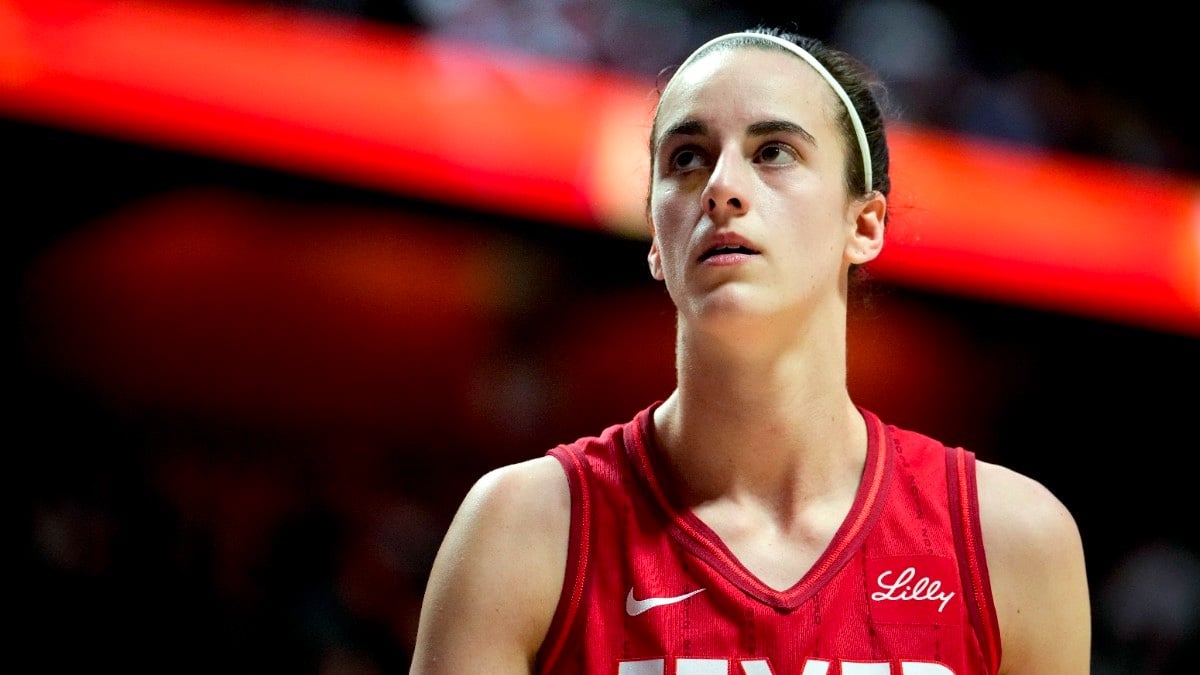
[758, 520]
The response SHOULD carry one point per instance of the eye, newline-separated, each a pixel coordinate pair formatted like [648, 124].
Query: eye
[776, 153]
[686, 159]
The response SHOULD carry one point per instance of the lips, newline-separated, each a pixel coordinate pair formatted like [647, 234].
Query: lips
[727, 249]
[726, 246]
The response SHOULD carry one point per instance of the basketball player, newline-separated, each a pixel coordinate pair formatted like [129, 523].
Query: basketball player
[758, 521]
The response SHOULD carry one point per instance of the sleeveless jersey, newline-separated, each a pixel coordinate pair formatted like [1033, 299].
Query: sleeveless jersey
[902, 589]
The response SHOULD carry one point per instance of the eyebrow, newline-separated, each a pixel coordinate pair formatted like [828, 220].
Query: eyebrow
[768, 127]
[763, 128]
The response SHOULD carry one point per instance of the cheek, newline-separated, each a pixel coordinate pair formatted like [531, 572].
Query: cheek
[668, 211]
[817, 243]
[663, 199]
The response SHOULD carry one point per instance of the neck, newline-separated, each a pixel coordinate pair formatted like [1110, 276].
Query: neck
[762, 419]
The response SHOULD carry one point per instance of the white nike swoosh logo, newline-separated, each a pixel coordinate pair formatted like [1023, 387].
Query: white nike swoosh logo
[633, 606]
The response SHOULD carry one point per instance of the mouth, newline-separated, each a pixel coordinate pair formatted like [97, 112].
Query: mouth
[727, 250]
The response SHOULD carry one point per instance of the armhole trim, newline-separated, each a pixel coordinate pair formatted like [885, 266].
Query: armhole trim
[968, 539]
[578, 548]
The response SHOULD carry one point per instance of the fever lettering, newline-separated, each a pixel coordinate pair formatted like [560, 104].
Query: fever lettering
[763, 667]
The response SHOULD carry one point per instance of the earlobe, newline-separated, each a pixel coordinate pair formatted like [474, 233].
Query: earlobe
[867, 240]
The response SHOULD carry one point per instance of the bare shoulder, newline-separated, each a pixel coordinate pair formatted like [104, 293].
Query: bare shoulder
[1015, 505]
[533, 492]
[497, 577]
[1039, 580]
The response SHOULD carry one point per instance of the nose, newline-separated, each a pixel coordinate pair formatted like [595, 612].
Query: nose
[725, 195]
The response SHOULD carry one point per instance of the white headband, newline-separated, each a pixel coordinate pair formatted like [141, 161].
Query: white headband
[863, 148]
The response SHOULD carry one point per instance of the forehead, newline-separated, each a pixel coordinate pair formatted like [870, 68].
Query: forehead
[747, 82]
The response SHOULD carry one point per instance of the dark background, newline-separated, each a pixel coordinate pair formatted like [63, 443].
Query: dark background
[258, 483]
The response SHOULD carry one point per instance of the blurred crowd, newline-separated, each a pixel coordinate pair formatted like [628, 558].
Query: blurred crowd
[998, 72]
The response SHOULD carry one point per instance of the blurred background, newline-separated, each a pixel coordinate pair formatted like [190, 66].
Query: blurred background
[289, 276]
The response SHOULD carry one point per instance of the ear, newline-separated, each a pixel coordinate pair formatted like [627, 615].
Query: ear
[866, 241]
[654, 258]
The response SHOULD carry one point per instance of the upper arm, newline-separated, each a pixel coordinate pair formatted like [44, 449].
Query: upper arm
[1039, 580]
[497, 577]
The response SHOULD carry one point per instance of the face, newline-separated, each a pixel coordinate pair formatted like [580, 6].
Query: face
[748, 203]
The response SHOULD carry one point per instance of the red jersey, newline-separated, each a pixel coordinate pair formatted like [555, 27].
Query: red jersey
[902, 589]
